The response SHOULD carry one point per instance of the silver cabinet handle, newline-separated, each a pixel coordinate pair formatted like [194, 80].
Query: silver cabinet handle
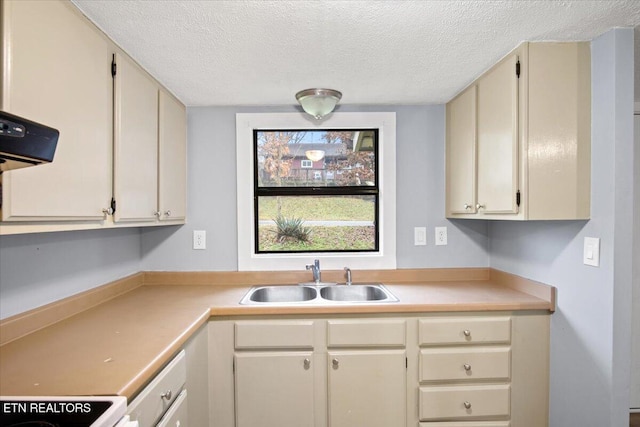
[467, 206]
[107, 211]
[157, 213]
[166, 395]
[479, 206]
[335, 363]
[307, 363]
[467, 367]
[467, 405]
[467, 333]
[167, 213]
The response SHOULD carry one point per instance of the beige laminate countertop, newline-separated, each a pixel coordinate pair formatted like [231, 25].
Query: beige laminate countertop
[117, 346]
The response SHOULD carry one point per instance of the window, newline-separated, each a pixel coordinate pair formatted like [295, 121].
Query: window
[298, 209]
[306, 164]
[366, 184]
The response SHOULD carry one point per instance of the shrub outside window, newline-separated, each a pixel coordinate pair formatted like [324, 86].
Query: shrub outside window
[316, 190]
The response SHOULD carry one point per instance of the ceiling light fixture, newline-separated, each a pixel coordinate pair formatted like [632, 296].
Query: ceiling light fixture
[318, 102]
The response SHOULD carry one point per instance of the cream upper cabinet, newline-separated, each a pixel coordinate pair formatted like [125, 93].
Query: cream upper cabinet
[172, 152]
[461, 153]
[135, 181]
[497, 174]
[122, 138]
[56, 71]
[532, 137]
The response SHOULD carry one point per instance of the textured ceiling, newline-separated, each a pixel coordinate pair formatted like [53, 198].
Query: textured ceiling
[241, 52]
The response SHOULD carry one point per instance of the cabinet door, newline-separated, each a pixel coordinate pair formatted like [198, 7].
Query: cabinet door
[172, 158]
[274, 389]
[498, 139]
[136, 143]
[461, 153]
[56, 71]
[367, 388]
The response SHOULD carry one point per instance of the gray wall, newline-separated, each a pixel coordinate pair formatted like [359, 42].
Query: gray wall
[590, 332]
[36, 269]
[212, 195]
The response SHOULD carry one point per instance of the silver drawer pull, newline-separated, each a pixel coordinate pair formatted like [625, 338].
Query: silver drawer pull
[307, 363]
[467, 333]
[167, 213]
[467, 405]
[335, 363]
[166, 395]
[467, 367]
[467, 206]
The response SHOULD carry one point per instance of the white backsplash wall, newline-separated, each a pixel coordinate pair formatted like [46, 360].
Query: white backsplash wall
[212, 195]
[37, 269]
[590, 331]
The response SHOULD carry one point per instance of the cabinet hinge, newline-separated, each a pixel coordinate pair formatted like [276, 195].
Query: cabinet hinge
[518, 198]
[114, 66]
[518, 68]
[113, 205]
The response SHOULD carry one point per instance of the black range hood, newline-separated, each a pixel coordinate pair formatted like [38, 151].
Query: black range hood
[25, 143]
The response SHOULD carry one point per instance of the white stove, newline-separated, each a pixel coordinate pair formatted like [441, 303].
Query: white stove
[64, 411]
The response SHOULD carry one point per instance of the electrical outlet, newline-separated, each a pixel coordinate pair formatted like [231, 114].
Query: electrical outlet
[420, 236]
[441, 236]
[199, 239]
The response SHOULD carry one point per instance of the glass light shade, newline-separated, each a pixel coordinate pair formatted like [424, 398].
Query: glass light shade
[314, 155]
[318, 102]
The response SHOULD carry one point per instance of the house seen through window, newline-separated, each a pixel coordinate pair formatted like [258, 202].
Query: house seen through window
[316, 190]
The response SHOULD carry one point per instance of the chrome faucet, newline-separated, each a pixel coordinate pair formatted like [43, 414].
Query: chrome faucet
[347, 275]
[315, 269]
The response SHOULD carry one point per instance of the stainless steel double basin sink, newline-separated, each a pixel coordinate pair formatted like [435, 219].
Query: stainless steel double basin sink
[321, 293]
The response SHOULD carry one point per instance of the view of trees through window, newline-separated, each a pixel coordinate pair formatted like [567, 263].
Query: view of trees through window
[316, 190]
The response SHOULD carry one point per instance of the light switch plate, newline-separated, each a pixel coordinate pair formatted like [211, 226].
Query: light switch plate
[420, 236]
[591, 255]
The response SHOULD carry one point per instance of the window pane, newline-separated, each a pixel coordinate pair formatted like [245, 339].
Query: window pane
[316, 223]
[314, 158]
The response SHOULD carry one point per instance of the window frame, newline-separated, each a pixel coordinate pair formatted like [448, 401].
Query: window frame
[317, 190]
[384, 258]
[306, 164]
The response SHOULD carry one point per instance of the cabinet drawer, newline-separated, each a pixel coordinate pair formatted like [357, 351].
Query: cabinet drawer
[160, 394]
[465, 363]
[469, 424]
[276, 334]
[359, 333]
[464, 402]
[176, 416]
[464, 330]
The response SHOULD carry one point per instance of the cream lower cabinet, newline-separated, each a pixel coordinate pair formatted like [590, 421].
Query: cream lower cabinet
[519, 137]
[435, 370]
[367, 372]
[274, 388]
[274, 374]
